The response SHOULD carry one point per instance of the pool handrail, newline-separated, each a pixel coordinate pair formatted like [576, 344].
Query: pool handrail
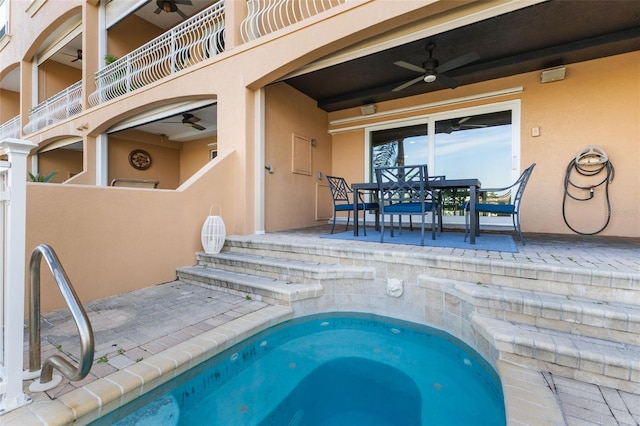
[80, 317]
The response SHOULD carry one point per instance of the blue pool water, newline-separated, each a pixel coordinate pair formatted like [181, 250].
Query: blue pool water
[330, 369]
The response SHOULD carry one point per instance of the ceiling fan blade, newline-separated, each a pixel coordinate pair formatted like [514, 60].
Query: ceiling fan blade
[191, 118]
[181, 13]
[157, 11]
[199, 127]
[448, 81]
[463, 120]
[458, 62]
[409, 66]
[407, 84]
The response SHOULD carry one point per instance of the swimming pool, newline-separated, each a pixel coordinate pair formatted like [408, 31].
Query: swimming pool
[330, 369]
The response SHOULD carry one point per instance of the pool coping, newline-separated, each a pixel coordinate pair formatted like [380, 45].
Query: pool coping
[528, 397]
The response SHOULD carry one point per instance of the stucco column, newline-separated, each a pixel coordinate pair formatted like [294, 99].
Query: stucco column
[26, 92]
[90, 43]
[236, 132]
[234, 13]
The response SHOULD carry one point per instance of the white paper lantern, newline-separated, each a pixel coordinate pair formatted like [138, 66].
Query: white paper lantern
[213, 233]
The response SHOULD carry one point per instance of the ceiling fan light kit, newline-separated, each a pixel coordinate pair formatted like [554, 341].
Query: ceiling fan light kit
[429, 78]
[432, 70]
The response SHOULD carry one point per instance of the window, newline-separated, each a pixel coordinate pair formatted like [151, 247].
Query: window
[482, 142]
[4, 17]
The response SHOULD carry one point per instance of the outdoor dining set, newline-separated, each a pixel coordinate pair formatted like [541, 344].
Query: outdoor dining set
[410, 191]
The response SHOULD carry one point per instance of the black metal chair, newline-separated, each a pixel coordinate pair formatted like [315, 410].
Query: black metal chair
[499, 207]
[342, 196]
[405, 190]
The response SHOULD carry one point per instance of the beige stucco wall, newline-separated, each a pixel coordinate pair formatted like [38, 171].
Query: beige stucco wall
[130, 34]
[165, 159]
[64, 162]
[293, 200]
[9, 105]
[54, 77]
[114, 240]
[598, 103]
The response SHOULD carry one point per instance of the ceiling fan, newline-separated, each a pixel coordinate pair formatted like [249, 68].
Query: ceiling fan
[189, 120]
[431, 69]
[77, 56]
[170, 6]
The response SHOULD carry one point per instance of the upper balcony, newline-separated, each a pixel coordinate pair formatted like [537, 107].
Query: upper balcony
[195, 39]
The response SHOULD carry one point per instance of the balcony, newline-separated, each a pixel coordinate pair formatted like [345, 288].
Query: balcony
[10, 129]
[64, 104]
[193, 41]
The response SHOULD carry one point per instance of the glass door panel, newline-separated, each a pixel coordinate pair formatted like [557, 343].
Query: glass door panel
[473, 146]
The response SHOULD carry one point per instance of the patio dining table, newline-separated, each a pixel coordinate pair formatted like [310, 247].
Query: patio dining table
[472, 184]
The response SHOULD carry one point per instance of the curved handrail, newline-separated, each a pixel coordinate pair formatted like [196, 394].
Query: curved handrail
[79, 315]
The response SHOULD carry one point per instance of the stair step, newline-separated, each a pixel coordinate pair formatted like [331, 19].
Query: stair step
[261, 288]
[592, 360]
[606, 286]
[579, 316]
[289, 270]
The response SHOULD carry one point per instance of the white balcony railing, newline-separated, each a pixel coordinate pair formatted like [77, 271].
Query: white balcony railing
[194, 40]
[62, 105]
[267, 16]
[10, 129]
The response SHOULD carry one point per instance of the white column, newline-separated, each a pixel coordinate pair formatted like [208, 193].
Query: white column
[102, 160]
[14, 279]
[260, 161]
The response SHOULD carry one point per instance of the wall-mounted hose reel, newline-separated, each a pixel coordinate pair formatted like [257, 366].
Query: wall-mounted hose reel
[590, 162]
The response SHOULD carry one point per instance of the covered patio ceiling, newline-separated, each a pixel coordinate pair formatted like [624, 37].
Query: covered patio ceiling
[537, 37]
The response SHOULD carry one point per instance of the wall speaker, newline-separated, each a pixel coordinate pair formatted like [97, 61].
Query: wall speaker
[554, 74]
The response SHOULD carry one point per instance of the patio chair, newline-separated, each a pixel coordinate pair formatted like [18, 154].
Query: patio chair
[405, 190]
[438, 197]
[342, 196]
[511, 207]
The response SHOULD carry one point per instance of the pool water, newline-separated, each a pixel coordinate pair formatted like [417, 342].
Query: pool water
[330, 369]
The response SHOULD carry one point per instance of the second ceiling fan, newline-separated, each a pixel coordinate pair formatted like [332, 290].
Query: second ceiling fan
[170, 6]
[432, 70]
[188, 120]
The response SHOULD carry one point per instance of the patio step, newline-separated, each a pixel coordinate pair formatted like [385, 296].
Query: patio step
[610, 321]
[269, 290]
[591, 360]
[604, 286]
[289, 270]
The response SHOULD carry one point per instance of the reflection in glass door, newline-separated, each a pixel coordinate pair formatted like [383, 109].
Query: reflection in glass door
[400, 146]
[473, 146]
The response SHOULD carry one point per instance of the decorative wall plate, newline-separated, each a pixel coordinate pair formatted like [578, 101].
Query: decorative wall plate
[139, 159]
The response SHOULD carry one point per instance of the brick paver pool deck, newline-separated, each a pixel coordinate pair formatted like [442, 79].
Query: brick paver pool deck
[135, 326]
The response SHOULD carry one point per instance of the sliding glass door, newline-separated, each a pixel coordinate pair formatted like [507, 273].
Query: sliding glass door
[480, 142]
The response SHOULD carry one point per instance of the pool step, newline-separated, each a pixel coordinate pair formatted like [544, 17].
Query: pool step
[615, 322]
[268, 290]
[289, 270]
[591, 360]
[575, 337]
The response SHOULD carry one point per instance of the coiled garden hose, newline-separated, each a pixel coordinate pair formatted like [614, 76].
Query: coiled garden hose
[587, 171]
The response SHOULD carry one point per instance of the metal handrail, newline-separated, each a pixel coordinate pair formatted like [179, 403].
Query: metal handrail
[70, 371]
